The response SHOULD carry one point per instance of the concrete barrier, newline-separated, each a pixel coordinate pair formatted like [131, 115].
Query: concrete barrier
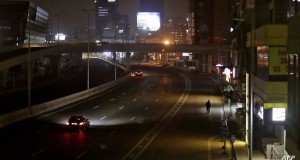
[39, 109]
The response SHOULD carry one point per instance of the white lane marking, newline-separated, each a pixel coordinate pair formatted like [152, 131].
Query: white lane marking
[37, 153]
[41, 131]
[147, 108]
[96, 107]
[122, 107]
[112, 99]
[132, 118]
[113, 132]
[81, 154]
[102, 146]
[209, 148]
[134, 100]
[156, 100]
[136, 151]
[103, 118]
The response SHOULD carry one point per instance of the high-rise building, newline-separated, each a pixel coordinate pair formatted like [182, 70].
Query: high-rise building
[22, 22]
[174, 30]
[110, 25]
[106, 19]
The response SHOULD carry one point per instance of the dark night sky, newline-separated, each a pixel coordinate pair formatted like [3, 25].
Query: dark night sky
[72, 17]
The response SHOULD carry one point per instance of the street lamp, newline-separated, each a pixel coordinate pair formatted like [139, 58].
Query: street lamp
[29, 63]
[88, 58]
[58, 35]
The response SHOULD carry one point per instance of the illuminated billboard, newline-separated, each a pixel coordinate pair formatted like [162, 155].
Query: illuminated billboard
[149, 21]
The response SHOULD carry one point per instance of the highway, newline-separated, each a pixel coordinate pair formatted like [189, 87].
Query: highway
[161, 115]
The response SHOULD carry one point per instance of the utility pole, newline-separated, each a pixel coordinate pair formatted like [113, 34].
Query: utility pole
[29, 61]
[88, 46]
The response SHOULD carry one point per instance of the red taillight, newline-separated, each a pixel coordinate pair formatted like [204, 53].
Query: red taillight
[67, 123]
[81, 123]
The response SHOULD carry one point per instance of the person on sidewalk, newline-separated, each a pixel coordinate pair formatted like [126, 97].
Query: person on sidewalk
[208, 106]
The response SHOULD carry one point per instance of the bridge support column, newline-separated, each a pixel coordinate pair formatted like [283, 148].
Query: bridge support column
[25, 70]
[128, 61]
[3, 77]
[55, 65]
[209, 63]
[114, 56]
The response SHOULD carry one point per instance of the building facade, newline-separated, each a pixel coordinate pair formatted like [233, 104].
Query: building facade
[273, 65]
[108, 20]
[22, 23]
[293, 50]
[209, 24]
[175, 31]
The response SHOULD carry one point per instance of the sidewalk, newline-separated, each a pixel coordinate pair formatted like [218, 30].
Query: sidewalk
[239, 149]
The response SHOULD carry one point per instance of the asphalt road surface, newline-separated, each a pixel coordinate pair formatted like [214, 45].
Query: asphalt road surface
[160, 116]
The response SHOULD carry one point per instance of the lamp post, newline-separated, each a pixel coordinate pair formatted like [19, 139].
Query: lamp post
[29, 62]
[88, 57]
[57, 16]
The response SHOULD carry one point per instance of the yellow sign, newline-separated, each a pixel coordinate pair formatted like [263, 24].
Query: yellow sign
[275, 105]
[278, 61]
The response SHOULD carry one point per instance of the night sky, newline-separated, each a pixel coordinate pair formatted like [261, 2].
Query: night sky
[71, 17]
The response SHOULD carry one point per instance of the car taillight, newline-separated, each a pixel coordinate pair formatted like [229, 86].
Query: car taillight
[67, 123]
[81, 123]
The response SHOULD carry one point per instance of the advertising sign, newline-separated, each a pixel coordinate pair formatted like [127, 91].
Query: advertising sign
[278, 61]
[149, 21]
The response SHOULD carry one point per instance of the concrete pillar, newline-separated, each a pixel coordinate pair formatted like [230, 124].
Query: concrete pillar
[128, 61]
[114, 56]
[55, 65]
[3, 77]
[165, 57]
[209, 63]
[25, 70]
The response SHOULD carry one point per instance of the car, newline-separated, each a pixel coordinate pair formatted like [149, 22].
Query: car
[138, 73]
[78, 122]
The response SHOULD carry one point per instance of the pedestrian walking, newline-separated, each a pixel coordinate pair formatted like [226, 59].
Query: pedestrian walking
[208, 106]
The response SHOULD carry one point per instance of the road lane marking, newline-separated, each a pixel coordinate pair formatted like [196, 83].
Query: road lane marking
[96, 107]
[37, 153]
[103, 118]
[112, 133]
[136, 151]
[80, 155]
[41, 131]
[209, 148]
